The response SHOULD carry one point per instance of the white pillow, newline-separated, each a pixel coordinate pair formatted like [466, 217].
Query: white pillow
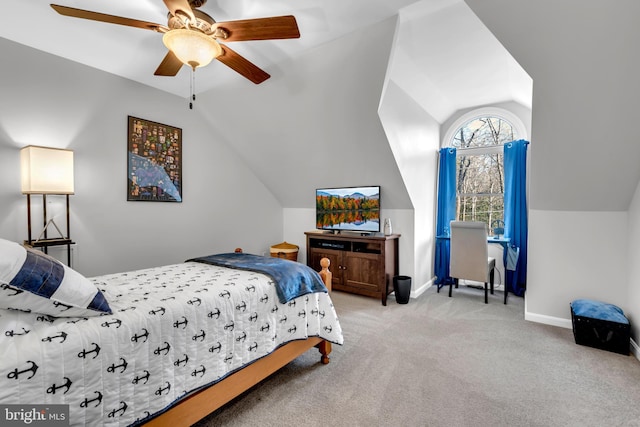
[34, 282]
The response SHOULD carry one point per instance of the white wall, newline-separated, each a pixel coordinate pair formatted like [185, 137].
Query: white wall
[54, 102]
[315, 125]
[632, 301]
[414, 139]
[575, 255]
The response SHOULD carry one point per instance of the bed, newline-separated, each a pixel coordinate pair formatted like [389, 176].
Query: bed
[158, 346]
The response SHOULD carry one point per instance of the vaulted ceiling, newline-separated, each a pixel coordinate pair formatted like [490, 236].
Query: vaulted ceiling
[437, 51]
[136, 53]
[424, 54]
[578, 56]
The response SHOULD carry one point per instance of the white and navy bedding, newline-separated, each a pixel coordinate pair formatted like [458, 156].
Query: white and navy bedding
[171, 330]
[291, 279]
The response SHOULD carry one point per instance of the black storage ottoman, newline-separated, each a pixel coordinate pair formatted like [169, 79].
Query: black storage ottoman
[600, 325]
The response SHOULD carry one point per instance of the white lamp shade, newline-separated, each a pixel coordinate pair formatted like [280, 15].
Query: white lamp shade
[46, 170]
[192, 47]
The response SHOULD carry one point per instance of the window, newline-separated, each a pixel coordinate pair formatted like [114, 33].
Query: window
[479, 138]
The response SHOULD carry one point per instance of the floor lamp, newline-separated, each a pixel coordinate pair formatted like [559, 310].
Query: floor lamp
[44, 171]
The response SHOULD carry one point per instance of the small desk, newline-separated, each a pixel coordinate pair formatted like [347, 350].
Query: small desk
[502, 241]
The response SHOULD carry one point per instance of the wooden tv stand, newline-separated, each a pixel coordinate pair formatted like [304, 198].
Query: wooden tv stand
[363, 265]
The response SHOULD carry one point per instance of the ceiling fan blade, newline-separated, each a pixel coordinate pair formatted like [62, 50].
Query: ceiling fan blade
[102, 17]
[177, 6]
[169, 66]
[276, 27]
[243, 66]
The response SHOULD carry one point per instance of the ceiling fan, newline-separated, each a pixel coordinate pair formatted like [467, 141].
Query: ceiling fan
[193, 37]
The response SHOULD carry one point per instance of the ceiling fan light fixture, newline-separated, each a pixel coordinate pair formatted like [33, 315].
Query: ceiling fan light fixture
[192, 47]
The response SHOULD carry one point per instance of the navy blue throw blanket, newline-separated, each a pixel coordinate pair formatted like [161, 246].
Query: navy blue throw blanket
[598, 310]
[291, 279]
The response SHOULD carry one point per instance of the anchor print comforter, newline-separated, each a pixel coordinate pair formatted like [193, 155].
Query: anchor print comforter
[173, 330]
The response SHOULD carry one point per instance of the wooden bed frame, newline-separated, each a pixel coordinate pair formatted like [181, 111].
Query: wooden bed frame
[204, 402]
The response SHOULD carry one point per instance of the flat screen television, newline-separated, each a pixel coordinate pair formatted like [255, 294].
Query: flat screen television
[348, 209]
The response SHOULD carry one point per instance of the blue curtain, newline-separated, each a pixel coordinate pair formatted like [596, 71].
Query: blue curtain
[446, 213]
[515, 211]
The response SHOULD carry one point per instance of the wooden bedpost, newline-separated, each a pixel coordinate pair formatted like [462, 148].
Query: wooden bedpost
[326, 275]
[325, 346]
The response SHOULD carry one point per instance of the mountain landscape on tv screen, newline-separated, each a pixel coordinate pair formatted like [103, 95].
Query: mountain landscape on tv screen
[354, 195]
[348, 209]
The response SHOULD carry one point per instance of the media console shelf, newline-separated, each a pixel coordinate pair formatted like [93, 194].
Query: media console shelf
[363, 265]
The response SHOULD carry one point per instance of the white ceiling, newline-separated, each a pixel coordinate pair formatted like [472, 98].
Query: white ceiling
[448, 60]
[135, 53]
[444, 56]
[580, 65]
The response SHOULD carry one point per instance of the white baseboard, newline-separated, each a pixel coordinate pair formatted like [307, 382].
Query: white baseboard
[415, 293]
[544, 319]
[635, 349]
[548, 320]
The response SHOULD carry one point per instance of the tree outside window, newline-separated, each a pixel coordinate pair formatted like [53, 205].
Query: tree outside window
[480, 169]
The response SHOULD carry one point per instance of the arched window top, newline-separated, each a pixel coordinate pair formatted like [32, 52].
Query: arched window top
[484, 131]
[484, 128]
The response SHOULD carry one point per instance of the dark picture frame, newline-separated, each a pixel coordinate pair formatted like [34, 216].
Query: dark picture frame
[154, 161]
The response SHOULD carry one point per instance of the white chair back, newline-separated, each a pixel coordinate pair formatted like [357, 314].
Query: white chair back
[469, 251]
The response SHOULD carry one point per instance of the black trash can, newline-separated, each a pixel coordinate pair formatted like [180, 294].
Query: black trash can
[402, 288]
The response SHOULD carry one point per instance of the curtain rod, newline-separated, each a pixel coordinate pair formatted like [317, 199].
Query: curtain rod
[484, 147]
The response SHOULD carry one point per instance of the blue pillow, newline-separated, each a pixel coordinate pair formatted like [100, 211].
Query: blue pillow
[598, 310]
[32, 281]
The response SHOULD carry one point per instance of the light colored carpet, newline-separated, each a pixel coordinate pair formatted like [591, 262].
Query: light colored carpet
[440, 361]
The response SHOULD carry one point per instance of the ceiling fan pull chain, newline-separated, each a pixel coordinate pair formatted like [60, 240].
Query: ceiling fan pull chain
[193, 88]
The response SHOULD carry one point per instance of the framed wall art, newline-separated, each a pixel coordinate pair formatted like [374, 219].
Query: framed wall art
[154, 162]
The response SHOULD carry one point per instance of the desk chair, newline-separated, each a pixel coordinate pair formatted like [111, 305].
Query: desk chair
[470, 255]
